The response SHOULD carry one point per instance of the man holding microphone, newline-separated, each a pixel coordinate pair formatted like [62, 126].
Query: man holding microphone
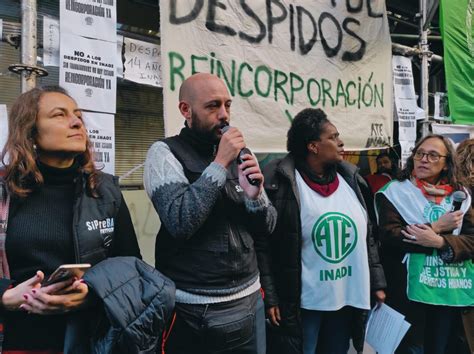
[211, 218]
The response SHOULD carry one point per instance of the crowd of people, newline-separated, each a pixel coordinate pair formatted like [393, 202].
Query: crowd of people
[286, 260]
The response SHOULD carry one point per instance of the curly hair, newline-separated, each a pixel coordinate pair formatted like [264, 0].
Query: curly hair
[451, 173]
[305, 127]
[19, 156]
[465, 153]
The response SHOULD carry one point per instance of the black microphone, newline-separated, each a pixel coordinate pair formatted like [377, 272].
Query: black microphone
[458, 198]
[254, 182]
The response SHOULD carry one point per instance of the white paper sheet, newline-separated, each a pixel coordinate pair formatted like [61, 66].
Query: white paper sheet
[385, 329]
[50, 41]
[101, 131]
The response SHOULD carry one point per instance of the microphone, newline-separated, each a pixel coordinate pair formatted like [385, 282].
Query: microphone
[458, 198]
[254, 182]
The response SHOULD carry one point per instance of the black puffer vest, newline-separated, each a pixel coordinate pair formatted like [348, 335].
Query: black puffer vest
[94, 219]
[220, 255]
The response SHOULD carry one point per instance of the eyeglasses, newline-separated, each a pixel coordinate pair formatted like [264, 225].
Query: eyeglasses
[431, 156]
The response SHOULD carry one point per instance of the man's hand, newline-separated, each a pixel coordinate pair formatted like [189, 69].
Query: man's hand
[448, 222]
[251, 169]
[229, 147]
[60, 297]
[13, 298]
[273, 314]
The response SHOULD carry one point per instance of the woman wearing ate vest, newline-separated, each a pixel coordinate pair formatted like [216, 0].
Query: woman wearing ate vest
[55, 208]
[424, 246]
[322, 264]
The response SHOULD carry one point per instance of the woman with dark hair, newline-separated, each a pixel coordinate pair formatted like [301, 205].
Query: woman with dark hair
[418, 227]
[56, 208]
[323, 261]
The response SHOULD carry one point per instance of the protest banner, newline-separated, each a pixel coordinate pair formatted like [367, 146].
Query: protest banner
[457, 30]
[88, 72]
[278, 58]
[89, 18]
[142, 62]
[101, 131]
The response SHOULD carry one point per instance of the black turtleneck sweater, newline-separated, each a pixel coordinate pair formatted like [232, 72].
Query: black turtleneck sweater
[39, 237]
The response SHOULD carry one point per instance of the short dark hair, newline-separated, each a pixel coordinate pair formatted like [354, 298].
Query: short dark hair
[451, 173]
[305, 127]
[382, 155]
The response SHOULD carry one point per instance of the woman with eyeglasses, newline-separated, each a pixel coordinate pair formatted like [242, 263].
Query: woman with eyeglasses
[423, 246]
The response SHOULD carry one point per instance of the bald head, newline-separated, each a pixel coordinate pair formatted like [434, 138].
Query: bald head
[197, 83]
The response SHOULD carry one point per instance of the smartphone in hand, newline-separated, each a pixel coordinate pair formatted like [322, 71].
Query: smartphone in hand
[66, 271]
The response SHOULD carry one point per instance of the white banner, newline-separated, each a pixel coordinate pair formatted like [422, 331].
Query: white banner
[142, 62]
[101, 130]
[455, 132]
[280, 57]
[50, 41]
[88, 72]
[3, 128]
[405, 99]
[89, 18]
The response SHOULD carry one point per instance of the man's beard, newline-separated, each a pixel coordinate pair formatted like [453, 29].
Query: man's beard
[204, 132]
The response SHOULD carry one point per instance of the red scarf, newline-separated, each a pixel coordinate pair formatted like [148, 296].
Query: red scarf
[323, 189]
[434, 193]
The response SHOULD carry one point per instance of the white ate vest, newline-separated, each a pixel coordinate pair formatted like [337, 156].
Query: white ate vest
[335, 268]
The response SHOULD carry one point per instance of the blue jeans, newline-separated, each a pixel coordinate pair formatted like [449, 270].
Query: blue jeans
[326, 332]
[231, 327]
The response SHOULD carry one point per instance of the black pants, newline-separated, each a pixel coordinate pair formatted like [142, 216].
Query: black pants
[236, 327]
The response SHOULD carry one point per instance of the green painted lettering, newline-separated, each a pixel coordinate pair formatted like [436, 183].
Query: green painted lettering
[176, 68]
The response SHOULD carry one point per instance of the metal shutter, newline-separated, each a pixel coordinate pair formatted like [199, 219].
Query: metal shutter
[138, 124]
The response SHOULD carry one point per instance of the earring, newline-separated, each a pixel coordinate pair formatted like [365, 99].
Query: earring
[35, 147]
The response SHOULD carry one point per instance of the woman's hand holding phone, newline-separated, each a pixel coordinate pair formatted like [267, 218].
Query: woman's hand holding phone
[61, 297]
[13, 298]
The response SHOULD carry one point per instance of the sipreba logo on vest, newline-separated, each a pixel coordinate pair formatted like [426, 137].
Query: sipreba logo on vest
[105, 226]
[334, 236]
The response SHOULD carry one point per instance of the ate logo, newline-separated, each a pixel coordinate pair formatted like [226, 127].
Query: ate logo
[435, 212]
[334, 236]
[432, 212]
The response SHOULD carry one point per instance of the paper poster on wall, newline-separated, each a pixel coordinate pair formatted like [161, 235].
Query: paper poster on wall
[89, 18]
[88, 71]
[405, 99]
[50, 41]
[3, 128]
[101, 130]
[142, 62]
[406, 148]
[278, 58]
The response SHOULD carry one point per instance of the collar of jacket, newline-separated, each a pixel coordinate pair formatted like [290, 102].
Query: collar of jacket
[201, 145]
[286, 168]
